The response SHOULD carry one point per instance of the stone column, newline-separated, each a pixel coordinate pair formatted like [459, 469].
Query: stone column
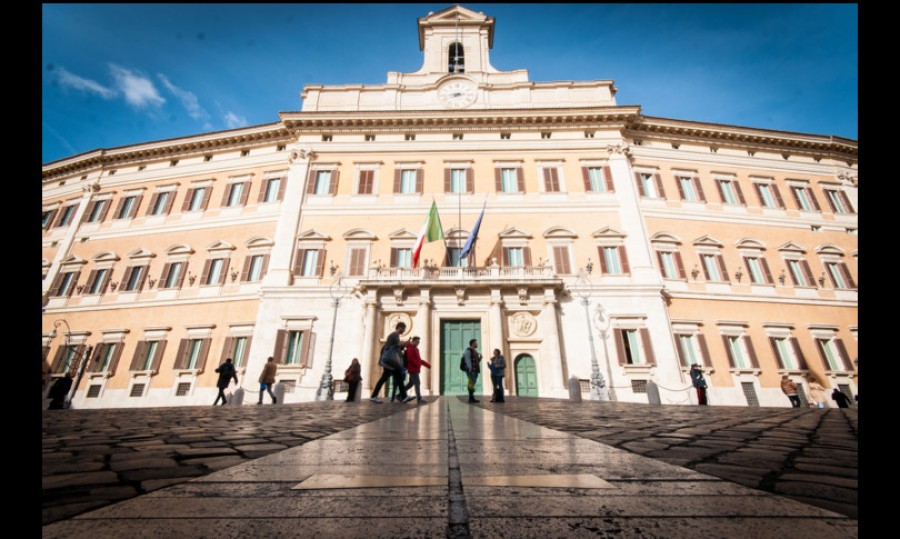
[279, 272]
[551, 359]
[367, 360]
[65, 244]
[496, 323]
[422, 328]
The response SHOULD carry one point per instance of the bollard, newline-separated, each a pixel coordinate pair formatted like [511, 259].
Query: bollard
[237, 398]
[574, 389]
[278, 389]
[653, 393]
[358, 395]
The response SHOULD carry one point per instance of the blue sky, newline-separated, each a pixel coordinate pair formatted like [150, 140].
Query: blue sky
[119, 74]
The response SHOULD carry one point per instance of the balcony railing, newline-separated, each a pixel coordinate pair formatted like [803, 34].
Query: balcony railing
[460, 273]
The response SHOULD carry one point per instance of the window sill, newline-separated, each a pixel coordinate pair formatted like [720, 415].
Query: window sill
[751, 371]
[793, 372]
[840, 374]
[139, 374]
[186, 372]
[99, 374]
[704, 369]
[631, 369]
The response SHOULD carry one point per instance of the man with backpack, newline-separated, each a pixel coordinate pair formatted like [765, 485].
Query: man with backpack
[470, 361]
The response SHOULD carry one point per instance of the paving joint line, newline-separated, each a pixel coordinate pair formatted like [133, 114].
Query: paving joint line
[458, 511]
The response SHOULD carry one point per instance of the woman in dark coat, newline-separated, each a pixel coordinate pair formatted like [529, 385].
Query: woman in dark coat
[352, 376]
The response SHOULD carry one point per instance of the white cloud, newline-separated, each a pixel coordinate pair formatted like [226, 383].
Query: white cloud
[79, 83]
[138, 89]
[232, 120]
[188, 100]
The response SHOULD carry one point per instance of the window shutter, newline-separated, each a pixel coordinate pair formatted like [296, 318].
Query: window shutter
[87, 213]
[703, 265]
[498, 179]
[586, 176]
[207, 193]
[790, 273]
[801, 359]
[157, 361]
[470, 180]
[136, 361]
[640, 187]
[648, 348]
[225, 196]
[245, 193]
[561, 256]
[448, 184]
[394, 255]
[520, 179]
[278, 353]
[57, 284]
[828, 199]
[751, 351]
[766, 272]
[226, 349]
[659, 185]
[105, 282]
[181, 275]
[740, 194]
[623, 259]
[777, 194]
[205, 274]
[335, 177]
[204, 352]
[397, 174]
[797, 197]
[722, 267]
[526, 256]
[366, 181]
[759, 195]
[721, 191]
[114, 360]
[224, 273]
[699, 187]
[57, 360]
[187, 200]
[298, 262]
[92, 276]
[774, 344]
[320, 263]
[659, 260]
[680, 189]
[245, 271]
[846, 273]
[59, 217]
[506, 256]
[305, 360]
[127, 277]
[842, 351]
[52, 218]
[420, 181]
[603, 269]
[607, 177]
[812, 198]
[282, 185]
[313, 180]
[181, 354]
[704, 350]
[94, 361]
[808, 273]
[846, 200]
[680, 264]
[144, 271]
[620, 346]
[728, 351]
[265, 266]
[678, 351]
[262, 191]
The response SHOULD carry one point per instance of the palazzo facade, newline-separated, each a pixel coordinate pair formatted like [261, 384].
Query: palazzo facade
[611, 242]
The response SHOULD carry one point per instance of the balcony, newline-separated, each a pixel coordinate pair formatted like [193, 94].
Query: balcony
[437, 276]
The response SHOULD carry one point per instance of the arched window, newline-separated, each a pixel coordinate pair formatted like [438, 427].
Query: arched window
[456, 61]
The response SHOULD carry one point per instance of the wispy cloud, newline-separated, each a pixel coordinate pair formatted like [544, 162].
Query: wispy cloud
[72, 80]
[233, 121]
[139, 90]
[188, 100]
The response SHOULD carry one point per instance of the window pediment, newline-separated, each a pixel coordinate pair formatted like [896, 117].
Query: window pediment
[829, 249]
[359, 234]
[179, 249]
[456, 233]
[791, 247]
[313, 234]
[750, 243]
[72, 260]
[140, 254]
[665, 237]
[259, 241]
[559, 232]
[514, 233]
[402, 234]
[608, 232]
[107, 256]
[707, 241]
[220, 246]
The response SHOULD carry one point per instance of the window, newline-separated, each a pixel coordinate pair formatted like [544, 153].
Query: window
[504, 136]
[273, 190]
[148, 355]
[740, 352]
[134, 278]
[128, 207]
[366, 182]
[590, 134]
[254, 268]
[457, 136]
[409, 137]
[161, 203]
[454, 257]
[106, 356]
[800, 273]
[66, 358]
[94, 391]
[236, 194]
[173, 275]
[545, 135]
[326, 138]
[401, 258]
[834, 354]
[196, 199]
[455, 180]
[296, 347]
[671, 264]
[639, 386]
[838, 201]
[613, 260]
[561, 259]
[516, 256]
[787, 353]
[650, 185]
[310, 262]
[214, 271]
[692, 349]
[97, 211]
[192, 353]
[713, 267]
[597, 179]
[634, 347]
[758, 269]
[769, 196]
[408, 181]
[456, 60]
[551, 180]
[245, 153]
[357, 265]
[805, 198]
[325, 183]
[690, 189]
[97, 281]
[47, 218]
[65, 283]
[369, 138]
[65, 216]
[509, 180]
[137, 390]
[839, 275]
[239, 348]
[730, 192]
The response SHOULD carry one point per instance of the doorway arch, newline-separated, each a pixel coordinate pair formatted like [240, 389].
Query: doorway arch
[526, 376]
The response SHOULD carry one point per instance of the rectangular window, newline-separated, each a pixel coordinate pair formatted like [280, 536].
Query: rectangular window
[458, 180]
[769, 197]
[648, 186]
[94, 391]
[404, 258]
[106, 356]
[688, 351]
[754, 268]
[273, 190]
[797, 273]
[161, 203]
[838, 201]
[366, 182]
[323, 182]
[66, 216]
[239, 351]
[667, 261]
[596, 180]
[98, 284]
[135, 278]
[254, 273]
[98, 211]
[137, 390]
[294, 348]
[803, 202]
[686, 186]
[727, 189]
[711, 268]
[516, 257]
[453, 255]
[561, 259]
[736, 351]
[196, 199]
[632, 347]
[408, 181]
[127, 207]
[840, 276]
[47, 218]
[357, 266]
[67, 283]
[508, 180]
[194, 353]
[235, 195]
[750, 393]
[831, 355]
[215, 271]
[612, 264]
[310, 263]
[173, 278]
[149, 355]
[785, 357]
[551, 180]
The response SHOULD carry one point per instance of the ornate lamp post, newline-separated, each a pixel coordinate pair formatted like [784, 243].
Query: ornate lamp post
[79, 359]
[337, 293]
[584, 289]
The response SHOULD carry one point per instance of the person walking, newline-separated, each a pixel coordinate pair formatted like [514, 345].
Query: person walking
[790, 389]
[392, 346]
[267, 380]
[816, 393]
[58, 392]
[226, 373]
[699, 383]
[842, 400]
[497, 365]
[472, 359]
[394, 387]
[352, 376]
[414, 364]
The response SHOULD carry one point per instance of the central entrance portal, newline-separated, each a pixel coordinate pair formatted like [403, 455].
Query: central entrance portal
[455, 336]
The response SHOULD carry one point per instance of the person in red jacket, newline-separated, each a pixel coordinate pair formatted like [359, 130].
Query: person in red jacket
[414, 364]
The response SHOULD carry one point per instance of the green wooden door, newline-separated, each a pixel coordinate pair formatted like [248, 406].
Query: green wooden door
[526, 377]
[455, 336]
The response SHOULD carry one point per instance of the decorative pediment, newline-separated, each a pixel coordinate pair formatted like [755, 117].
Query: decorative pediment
[750, 243]
[665, 237]
[106, 256]
[140, 254]
[453, 14]
[791, 246]
[73, 259]
[829, 249]
[515, 232]
[179, 249]
[607, 232]
[312, 235]
[359, 234]
[220, 246]
[707, 241]
[259, 241]
[559, 232]
[456, 233]
[402, 234]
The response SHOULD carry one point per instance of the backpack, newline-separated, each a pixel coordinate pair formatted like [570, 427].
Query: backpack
[462, 363]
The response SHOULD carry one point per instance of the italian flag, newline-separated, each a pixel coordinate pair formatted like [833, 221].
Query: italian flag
[431, 231]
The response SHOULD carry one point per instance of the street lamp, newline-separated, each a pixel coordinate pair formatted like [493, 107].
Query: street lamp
[80, 359]
[584, 289]
[337, 293]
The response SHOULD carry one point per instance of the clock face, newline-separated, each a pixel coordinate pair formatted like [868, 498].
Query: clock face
[457, 94]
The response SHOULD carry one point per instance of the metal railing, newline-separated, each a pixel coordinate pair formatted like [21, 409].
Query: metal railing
[457, 273]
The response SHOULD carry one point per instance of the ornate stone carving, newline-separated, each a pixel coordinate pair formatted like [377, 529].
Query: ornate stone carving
[523, 294]
[393, 319]
[523, 324]
[298, 155]
[618, 149]
[398, 296]
[460, 295]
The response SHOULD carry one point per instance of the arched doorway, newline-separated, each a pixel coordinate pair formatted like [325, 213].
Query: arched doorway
[526, 376]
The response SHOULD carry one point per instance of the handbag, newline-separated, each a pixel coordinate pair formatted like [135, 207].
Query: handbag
[390, 359]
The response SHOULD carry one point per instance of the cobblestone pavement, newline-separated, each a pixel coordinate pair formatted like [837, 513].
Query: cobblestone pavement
[809, 455]
[92, 458]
